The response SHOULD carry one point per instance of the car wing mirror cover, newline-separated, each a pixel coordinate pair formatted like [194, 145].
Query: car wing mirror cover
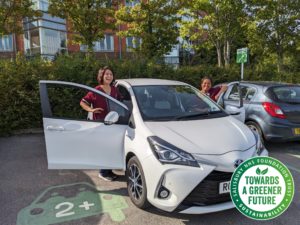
[233, 110]
[111, 118]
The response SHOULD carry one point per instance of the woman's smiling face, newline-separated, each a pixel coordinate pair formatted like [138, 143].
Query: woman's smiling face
[206, 85]
[108, 77]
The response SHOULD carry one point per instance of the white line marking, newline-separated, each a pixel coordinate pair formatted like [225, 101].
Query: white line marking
[297, 156]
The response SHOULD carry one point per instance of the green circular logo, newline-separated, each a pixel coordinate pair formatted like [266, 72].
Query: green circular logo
[262, 188]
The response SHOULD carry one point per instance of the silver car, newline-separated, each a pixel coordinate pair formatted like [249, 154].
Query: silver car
[272, 109]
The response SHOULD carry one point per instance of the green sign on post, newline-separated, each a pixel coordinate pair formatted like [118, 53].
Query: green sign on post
[242, 55]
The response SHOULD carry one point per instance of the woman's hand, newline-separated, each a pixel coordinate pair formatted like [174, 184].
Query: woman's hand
[97, 110]
[223, 88]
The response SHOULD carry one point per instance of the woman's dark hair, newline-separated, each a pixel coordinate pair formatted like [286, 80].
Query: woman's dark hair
[102, 72]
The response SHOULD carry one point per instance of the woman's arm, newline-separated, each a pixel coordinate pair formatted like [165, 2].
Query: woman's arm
[87, 108]
[222, 90]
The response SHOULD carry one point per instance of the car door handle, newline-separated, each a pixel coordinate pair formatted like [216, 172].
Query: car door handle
[55, 128]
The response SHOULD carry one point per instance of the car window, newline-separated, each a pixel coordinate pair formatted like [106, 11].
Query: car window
[65, 100]
[125, 96]
[169, 102]
[288, 94]
[246, 92]
[234, 93]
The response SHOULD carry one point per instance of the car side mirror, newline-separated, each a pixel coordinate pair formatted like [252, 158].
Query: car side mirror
[111, 118]
[233, 110]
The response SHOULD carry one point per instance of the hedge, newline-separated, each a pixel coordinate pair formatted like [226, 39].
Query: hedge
[19, 78]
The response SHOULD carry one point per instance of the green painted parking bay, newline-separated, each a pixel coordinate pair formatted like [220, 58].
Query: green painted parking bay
[64, 203]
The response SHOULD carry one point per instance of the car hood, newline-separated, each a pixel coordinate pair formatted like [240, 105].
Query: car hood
[208, 136]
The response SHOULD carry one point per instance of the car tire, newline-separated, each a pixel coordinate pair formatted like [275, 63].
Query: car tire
[136, 184]
[254, 126]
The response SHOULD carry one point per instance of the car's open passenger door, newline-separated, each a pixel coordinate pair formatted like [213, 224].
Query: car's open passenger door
[232, 101]
[72, 141]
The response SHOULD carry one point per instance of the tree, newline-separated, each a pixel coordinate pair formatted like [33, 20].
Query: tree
[155, 22]
[12, 13]
[216, 23]
[277, 25]
[89, 18]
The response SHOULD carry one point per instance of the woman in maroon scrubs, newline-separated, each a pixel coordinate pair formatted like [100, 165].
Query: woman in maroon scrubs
[97, 105]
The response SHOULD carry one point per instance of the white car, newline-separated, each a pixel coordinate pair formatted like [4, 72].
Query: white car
[179, 148]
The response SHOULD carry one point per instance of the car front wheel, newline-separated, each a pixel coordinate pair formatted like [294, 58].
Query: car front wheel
[136, 183]
[255, 127]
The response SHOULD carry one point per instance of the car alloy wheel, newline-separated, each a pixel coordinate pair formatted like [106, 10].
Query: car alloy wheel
[136, 184]
[255, 127]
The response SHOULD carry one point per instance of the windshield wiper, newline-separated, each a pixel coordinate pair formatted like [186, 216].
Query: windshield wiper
[207, 113]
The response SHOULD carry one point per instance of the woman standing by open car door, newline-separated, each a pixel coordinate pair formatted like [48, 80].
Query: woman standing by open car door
[98, 105]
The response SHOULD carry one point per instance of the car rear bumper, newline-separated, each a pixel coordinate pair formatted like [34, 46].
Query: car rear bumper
[275, 132]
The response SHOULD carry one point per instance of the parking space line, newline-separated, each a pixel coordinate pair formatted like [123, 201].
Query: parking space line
[297, 156]
[293, 168]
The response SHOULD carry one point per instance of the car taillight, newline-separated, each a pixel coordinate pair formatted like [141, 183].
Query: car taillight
[273, 110]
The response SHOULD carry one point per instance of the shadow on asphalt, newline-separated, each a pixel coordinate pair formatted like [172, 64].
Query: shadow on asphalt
[26, 182]
[40, 196]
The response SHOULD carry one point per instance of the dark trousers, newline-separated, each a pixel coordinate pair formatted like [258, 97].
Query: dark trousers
[105, 172]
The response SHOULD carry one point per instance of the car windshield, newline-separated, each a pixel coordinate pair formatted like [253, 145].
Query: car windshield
[287, 94]
[174, 102]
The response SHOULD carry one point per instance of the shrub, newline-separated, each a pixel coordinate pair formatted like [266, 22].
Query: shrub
[19, 104]
[19, 89]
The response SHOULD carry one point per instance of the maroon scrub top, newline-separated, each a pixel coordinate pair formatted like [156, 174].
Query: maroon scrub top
[98, 101]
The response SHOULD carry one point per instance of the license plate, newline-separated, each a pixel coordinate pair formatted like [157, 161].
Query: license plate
[224, 187]
[297, 131]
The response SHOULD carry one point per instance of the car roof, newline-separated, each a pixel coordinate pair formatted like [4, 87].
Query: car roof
[150, 81]
[267, 83]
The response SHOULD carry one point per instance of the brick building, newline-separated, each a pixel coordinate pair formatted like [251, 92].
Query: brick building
[49, 35]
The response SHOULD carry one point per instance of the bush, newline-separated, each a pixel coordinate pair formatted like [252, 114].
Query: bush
[19, 89]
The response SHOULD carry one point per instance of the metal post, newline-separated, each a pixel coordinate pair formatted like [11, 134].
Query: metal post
[120, 45]
[119, 38]
[242, 71]
[14, 44]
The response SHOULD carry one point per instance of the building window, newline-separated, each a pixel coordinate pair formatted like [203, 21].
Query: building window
[52, 25]
[104, 45]
[47, 16]
[41, 5]
[131, 3]
[53, 41]
[6, 43]
[32, 41]
[133, 43]
[45, 35]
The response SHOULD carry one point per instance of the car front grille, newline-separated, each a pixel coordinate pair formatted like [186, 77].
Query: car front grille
[207, 191]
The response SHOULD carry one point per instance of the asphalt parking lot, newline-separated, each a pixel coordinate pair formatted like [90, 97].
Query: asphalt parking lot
[30, 194]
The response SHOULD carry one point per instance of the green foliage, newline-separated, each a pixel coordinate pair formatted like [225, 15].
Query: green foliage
[64, 101]
[155, 22]
[214, 23]
[19, 104]
[274, 28]
[19, 82]
[89, 19]
[12, 12]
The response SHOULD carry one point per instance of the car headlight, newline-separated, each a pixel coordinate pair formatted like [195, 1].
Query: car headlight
[168, 153]
[259, 145]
